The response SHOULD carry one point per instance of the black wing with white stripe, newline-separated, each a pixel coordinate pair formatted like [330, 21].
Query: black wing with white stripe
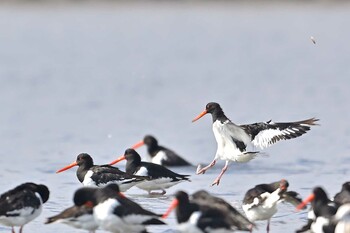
[264, 134]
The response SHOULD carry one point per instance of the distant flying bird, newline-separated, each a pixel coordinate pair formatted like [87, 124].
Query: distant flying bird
[233, 139]
[22, 204]
[160, 154]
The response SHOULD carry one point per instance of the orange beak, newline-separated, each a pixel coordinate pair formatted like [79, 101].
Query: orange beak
[117, 160]
[67, 167]
[307, 200]
[200, 115]
[137, 145]
[172, 206]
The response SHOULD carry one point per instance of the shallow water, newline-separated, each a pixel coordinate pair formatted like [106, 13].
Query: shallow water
[97, 78]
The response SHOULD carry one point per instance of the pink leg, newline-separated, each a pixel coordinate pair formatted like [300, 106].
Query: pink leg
[251, 228]
[204, 169]
[217, 180]
[268, 226]
[13, 230]
[20, 229]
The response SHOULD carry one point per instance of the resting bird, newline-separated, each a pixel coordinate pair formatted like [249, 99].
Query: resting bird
[197, 216]
[233, 139]
[22, 204]
[160, 154]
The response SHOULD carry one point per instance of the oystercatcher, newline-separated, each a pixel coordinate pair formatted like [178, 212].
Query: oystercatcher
[233, 139]
[79, 217]
[114, 212]
[260, 202]
[322, 211]
[160, 154]
[99, 175]
[22, 204]
[198, 216]
[161, 178]
[343, 196]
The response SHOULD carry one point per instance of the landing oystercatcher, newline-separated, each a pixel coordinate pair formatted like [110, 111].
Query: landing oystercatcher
[80, 217]
[233, 139]
[160, 154]
[260, 202]
[161, 178]
[22, 204]
[198, 216]
[113, 211]
[99, 175]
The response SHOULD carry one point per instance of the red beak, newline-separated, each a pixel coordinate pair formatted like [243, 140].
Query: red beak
[117, 160]
[137, 145]
[200, 115]
[67, 167]
[310, 198]
[172, 206]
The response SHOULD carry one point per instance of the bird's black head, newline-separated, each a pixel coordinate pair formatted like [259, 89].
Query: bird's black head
[43, 192]
[182, 197]
[320, 194]
[150, 141]
[213, 107]
[85, 196]
[283, 185]
[132, 155]
[346, 186]
[85, 159]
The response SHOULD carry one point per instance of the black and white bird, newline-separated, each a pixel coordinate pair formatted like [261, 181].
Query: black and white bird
[323, 210]
[234, 140]
[22, 204]
[203, 217]
[80, 217]
[114, 212]
[160, 177]
[260, 202]
[160, 154]
[343, 196]
[99, 175]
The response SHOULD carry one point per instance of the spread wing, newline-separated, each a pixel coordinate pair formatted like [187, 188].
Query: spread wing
[264, 134]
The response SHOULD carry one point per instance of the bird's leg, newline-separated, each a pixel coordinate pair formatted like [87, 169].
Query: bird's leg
[268, 226]
[217, 180]
[204, 169]
[13, 230]
[251, 228]
[20, 229]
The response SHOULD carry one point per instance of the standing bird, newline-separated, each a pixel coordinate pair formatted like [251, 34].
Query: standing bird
[99, 175]
[260, 202]
[322, 211]
[197, 216]
[114, 212]
[160, 154]
[233, 139]
[22, 204]
[161, 178]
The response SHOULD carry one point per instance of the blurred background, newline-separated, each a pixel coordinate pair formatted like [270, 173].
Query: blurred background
[96, 76]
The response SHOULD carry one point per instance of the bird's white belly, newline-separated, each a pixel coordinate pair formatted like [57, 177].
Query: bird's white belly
[259, 212]
[26, 215]
[157, 184]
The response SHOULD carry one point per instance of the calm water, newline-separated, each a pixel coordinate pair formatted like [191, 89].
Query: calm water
[97, 78]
